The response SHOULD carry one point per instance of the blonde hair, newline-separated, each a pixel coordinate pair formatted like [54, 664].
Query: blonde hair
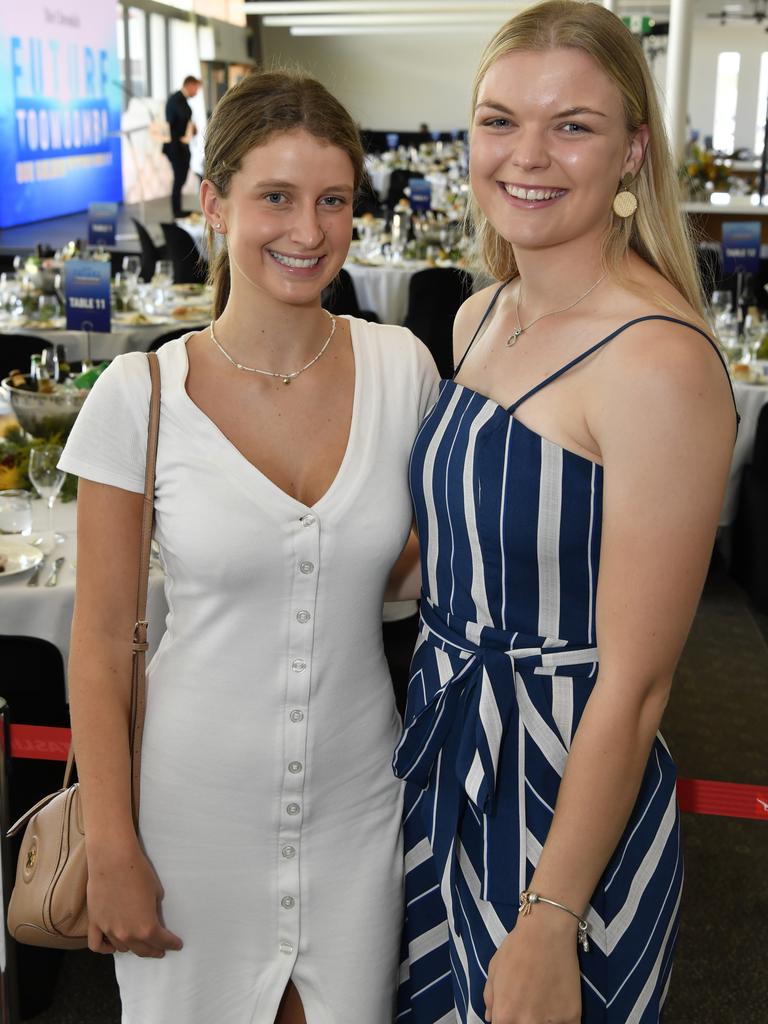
[658, 231]
[248, 115]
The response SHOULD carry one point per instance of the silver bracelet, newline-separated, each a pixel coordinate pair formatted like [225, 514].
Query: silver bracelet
[527, 899]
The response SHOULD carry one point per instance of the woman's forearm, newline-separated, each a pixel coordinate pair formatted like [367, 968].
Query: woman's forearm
[100, 681]
[600, 785]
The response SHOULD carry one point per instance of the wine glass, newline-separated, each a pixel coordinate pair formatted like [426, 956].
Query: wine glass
[131, 271]
[47, 478]
[720, 304]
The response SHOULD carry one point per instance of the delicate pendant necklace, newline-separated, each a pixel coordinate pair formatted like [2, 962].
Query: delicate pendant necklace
[512, 339]
[286, 378]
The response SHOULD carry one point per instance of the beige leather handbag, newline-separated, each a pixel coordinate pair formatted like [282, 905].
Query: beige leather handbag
[48, 904]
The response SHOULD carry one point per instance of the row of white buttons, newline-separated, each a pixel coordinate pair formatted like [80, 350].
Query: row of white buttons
[296, 716]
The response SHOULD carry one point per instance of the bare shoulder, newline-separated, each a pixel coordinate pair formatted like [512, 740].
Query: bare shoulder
[468, 318]
[667, 372]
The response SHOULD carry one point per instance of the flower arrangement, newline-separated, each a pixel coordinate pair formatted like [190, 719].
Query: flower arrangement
[702, 172]
[15, 447]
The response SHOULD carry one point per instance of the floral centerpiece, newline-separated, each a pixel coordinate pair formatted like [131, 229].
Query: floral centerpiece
[15, 447]
[702, 173]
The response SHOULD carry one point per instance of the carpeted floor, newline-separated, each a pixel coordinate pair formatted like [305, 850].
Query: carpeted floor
[716, 726]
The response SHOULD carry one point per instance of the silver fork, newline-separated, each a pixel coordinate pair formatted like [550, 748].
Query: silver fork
[53, 579]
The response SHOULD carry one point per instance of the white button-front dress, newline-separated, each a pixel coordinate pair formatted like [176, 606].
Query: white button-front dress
[268, 804]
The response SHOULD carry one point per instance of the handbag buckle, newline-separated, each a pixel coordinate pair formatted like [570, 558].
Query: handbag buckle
[140, 636]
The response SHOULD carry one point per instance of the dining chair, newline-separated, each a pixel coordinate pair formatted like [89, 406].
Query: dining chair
[16, 351]
[434, 297]
[340, 298]
[150, 253]
[750, 538]
[189, 267]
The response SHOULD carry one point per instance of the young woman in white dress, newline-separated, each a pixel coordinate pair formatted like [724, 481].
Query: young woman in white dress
[265, 883]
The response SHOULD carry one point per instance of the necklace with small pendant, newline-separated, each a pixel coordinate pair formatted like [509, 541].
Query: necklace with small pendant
[515, 335]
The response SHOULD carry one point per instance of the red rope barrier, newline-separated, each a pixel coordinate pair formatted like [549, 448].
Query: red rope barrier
[695, 796]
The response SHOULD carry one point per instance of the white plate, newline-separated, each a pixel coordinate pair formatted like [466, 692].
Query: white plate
[130, 319]
[19, 556]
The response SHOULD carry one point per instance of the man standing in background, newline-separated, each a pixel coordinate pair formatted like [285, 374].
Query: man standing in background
[178, 114]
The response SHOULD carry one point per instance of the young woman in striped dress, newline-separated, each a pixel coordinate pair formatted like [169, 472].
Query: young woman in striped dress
[567, 486]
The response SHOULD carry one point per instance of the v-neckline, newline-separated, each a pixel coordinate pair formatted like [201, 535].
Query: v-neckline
[251, 468]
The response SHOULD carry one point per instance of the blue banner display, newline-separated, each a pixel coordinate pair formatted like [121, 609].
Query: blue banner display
[421, 194]
[86, 290]
[741, 246]
[102, 223]
[60, 103]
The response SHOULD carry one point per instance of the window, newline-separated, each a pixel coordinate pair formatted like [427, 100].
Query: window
[137, 49]
[762, 103]
[159, 63]
[726, 97]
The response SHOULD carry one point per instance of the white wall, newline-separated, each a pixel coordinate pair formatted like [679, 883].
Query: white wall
[397, 81]
[389, 81]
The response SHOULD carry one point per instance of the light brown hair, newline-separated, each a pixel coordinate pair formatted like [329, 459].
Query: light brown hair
[248, 115]
[658, 231]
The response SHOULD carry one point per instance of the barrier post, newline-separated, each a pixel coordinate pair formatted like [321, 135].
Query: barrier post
[9, 996]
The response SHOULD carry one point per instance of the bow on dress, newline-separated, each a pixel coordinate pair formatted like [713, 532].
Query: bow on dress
[490, 697]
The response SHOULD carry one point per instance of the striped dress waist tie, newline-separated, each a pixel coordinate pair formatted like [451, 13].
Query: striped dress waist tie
[493, 698]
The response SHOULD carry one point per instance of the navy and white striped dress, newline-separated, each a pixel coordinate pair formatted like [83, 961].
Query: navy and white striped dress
[509, 526]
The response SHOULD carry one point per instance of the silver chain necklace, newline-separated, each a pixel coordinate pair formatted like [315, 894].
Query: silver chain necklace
[286, 378]
[512, 339]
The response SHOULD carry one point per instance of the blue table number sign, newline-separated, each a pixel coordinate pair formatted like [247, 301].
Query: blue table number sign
[392, 139]
[421, 194]
[86, 288]
[102, 223]
[741, 246]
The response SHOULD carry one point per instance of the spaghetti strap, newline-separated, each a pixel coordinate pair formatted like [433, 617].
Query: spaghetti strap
[604, 341]
[486, 314]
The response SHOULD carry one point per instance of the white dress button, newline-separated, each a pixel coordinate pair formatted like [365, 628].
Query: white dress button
[303, 615]
[298, 664]
[293, 809]
[306, 567]
[286, 947]
[296, 716]
[295, 767]
[307, 520]
[288, 902]
[288, 852]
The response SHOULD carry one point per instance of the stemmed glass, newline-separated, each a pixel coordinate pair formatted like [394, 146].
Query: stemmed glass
[132, 269]
[47, 478]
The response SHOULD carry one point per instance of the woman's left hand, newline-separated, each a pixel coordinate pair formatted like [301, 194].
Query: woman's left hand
[534, 976]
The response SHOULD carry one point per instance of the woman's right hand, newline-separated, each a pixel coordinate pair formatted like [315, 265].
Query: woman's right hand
[124, 895]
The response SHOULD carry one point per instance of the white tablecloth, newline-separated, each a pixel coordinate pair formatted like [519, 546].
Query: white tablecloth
[750, 399]
[384, 289]
[108, 345]
[46, 612]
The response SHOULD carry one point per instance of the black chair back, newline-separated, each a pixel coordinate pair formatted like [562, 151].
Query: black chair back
[16, 351]
[150, 253]
[398, 184]
[172, 335]
[340, 298]
[183, 252]
[434, 297]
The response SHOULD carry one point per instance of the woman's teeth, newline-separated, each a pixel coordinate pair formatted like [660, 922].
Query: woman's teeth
[530, 194]
[291, 261]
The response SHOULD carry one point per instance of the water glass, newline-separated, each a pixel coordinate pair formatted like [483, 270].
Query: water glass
[131, 270]
[48, 307]
[15, 512]
[46, 476]
[163, 276]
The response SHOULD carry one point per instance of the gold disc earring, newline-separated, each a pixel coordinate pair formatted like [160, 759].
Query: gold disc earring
[625, 202]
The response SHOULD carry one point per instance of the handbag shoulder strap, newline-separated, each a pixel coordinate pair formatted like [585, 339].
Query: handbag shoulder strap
[139, 644]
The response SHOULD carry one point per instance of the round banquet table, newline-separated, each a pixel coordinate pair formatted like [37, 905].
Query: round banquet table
[750, 399]
[79, 345]
[383, 287]
[46, 612]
